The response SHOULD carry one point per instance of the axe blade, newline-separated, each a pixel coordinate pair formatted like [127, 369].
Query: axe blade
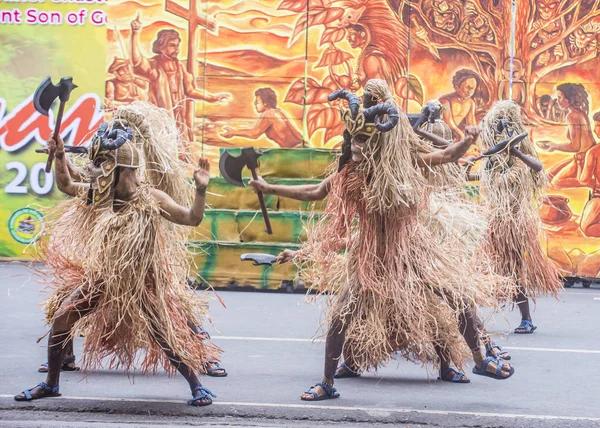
[44, 96]
[231, 168]
[47, 93]
[259, 259]
[504, 143]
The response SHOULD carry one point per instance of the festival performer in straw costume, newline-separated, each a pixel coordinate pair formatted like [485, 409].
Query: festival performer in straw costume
[159, 142]
[512, 183]
[395, 287]
[119, 261]
[455, 218]
[456, 214]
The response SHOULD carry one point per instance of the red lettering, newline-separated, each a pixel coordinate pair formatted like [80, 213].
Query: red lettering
[24, 124]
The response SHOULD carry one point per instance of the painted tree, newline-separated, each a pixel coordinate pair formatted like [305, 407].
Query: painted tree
[383, 47]
[548, 35]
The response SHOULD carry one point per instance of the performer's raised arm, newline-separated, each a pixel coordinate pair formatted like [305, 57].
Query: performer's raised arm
[303, 192]
[530, 161]
[61, 170]
[452, 153]
[178, 214]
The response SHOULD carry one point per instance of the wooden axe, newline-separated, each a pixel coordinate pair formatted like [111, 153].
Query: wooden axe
[44, 97]
[231, 169]
[502, 145]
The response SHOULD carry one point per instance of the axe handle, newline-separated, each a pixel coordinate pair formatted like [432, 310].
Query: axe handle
[61, 110]
[263, 207]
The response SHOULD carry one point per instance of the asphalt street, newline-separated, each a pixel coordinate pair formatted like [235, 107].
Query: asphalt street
[271, 358]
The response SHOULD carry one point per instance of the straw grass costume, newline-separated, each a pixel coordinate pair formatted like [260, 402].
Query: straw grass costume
[512, 195]
[127, 261]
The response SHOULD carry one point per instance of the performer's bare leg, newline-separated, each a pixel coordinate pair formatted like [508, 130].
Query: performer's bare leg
[334, 343]
[447, 373]
[212, 367]
[69, 358]
[468, 328]
[64, 321]
[490, 347]
[348, 368]
[184, 370]
[522, 302]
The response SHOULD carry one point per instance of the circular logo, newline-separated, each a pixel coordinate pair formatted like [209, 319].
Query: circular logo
[24, 225]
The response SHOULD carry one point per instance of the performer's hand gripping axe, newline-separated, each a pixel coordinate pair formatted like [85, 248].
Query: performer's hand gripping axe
[44, 97]
[231, 169]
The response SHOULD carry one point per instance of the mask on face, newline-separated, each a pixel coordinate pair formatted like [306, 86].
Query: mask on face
[111, 147]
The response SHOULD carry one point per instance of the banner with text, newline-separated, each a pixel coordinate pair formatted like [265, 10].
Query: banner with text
[55, 38]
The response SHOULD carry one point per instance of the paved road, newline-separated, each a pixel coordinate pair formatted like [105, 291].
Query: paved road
[271, 360]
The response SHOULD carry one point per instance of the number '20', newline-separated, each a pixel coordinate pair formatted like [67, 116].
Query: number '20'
[35, 178]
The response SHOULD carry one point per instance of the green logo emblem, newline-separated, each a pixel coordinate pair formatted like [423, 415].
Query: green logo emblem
[24, 225]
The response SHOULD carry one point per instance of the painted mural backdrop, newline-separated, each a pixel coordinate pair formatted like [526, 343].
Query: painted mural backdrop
[240, 73]
[53, 38]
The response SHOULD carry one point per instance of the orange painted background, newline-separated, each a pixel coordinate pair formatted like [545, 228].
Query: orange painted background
[302, 50]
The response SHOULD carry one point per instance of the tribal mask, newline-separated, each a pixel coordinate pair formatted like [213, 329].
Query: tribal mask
[364, 123]
[111, 147]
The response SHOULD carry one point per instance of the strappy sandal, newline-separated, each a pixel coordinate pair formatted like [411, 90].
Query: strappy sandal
[482, 371]
[205, 393]
[458, 378]
[526, 327]
[49, 391]
[214, 370]
[347, 373]
[68, 365]
[330, 393]
[502, 354]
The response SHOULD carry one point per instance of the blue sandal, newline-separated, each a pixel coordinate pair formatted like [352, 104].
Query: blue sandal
[330, 392]
[214, 370]
[482, 371]
[49, 391]
[456, 379]
[526, 327]
[205, 393]
[348, 372]
[66, 366]
[502, 354]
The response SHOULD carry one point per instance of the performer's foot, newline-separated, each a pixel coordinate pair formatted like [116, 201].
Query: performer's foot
[497, 352]
[526, 327]
[68, 365]
[321, 391]
[215, 370]
[345, 371]
[452, 375]
[201, 397]
[494, 368]
[40, 391]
